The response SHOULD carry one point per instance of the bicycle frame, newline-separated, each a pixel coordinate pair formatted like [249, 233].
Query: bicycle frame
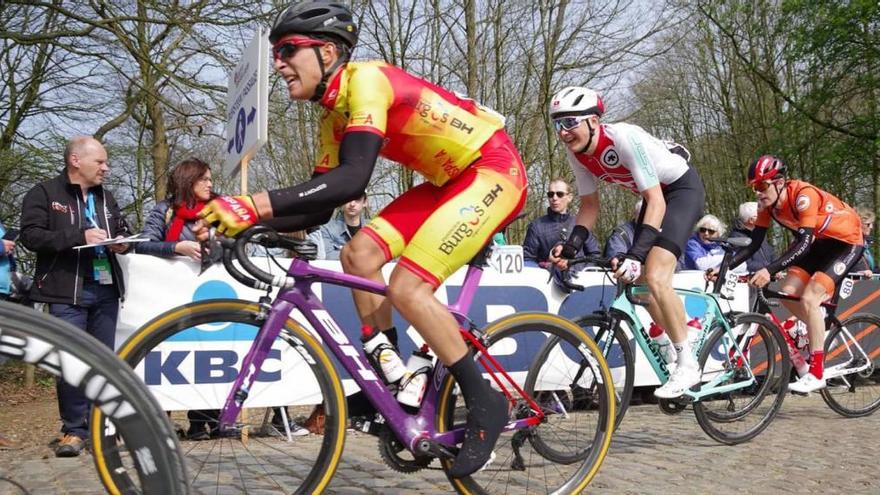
[409, 428]
[831, 320]
[623, 307]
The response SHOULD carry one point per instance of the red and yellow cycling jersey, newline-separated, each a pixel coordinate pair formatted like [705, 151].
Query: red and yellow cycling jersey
[807, 206]
[426, 128]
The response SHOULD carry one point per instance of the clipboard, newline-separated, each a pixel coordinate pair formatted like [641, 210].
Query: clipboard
[118, 240]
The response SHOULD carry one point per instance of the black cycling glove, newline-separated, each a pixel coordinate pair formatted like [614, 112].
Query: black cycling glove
[644, 240]
[575, 242]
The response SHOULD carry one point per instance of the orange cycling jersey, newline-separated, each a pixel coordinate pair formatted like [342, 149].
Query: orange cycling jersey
[807, 206]
[426, 128]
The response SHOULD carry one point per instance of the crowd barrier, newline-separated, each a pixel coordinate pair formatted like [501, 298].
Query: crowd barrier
[208, 356]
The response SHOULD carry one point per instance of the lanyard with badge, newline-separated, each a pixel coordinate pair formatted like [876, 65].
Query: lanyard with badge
[100, 264]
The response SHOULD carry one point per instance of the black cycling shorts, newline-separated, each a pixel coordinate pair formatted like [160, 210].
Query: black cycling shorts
[830, 257]
[685, 199]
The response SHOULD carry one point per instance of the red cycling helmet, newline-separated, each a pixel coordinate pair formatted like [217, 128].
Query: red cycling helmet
[767, 167]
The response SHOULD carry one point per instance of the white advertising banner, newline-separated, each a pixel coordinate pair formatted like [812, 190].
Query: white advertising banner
[208, 356]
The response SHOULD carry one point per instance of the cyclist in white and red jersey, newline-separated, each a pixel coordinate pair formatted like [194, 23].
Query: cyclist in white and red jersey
[673, 198]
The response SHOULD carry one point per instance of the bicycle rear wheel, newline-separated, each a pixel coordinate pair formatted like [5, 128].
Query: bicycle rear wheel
[736, 416]
[852, 351]
[618, 352]
[140, 431]
[189, 357]
[562, 453]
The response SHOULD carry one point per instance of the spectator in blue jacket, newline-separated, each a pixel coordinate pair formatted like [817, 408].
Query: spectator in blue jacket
[341, 228]
[621, 238]
[545, 232]
[169, 225]
[745, 223]
[7, 264]
[701, 252]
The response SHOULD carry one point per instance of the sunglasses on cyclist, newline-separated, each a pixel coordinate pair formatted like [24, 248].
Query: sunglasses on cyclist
[706, 230]
[569, 123]
[286, 47]
[761, 186]
[558, 194]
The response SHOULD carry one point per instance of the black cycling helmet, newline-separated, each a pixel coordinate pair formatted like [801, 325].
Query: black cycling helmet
[316, 19]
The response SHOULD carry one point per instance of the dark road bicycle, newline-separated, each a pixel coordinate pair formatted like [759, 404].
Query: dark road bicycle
[546, 447]
[136, 432]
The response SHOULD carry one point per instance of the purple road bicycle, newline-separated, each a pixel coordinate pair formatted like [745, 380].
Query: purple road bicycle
[292, 352]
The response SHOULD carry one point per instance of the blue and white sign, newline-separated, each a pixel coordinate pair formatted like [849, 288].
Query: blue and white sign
[247, 104]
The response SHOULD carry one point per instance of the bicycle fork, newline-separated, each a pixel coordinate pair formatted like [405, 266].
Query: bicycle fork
[253, 363]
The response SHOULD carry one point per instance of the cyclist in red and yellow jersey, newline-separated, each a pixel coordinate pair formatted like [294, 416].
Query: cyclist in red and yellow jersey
[476, 182]
[828, 243]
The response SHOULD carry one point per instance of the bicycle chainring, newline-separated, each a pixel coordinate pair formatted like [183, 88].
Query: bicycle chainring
[671, 407]
[391, 449]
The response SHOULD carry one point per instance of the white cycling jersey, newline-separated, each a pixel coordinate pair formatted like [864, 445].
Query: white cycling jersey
[627, 155]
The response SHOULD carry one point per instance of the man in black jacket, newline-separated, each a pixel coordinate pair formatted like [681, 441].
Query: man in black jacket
[745, 223]
[81, 286]
[545, 232]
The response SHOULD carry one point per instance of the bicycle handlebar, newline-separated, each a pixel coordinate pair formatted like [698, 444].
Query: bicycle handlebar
[228, 246]
[599, 261]
[265, 236]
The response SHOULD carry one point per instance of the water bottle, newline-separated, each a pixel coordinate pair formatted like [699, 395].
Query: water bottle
[658, 335]
[382, 353]
[695, 328]
[412, 388]
[797, 331]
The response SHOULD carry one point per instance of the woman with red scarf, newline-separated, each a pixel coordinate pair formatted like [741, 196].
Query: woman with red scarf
[169, 225]
[169, 228]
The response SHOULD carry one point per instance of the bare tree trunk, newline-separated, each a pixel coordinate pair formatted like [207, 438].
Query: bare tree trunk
[159, 150]
[470, 22]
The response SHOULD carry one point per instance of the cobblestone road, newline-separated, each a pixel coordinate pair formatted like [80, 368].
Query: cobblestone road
[652, 453]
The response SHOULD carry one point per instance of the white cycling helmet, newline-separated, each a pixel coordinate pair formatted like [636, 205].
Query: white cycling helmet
[574, 101]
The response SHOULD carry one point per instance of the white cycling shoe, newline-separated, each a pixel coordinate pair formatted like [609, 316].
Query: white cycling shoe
[682, 379]
[807, 383]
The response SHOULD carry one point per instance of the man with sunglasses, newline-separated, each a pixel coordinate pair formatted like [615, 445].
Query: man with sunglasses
[475, 182]
[548, 231]
[673, 198]
[828, 242]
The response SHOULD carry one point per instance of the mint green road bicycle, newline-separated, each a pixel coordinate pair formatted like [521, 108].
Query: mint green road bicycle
[742, 357]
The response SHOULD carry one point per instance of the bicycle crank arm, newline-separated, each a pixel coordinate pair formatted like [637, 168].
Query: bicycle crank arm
[430, 447]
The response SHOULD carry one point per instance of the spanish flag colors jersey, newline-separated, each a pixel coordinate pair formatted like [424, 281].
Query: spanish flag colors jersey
[808, 206]
[426, 128]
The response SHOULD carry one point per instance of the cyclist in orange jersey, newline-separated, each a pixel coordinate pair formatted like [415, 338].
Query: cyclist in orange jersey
[475, 183]
[828, 243]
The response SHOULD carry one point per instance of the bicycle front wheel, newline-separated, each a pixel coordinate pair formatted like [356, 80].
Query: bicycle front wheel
[189, 357]
[620, 356]
[852, 373]
[141, 434]
[738, 413]
[563, 452]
